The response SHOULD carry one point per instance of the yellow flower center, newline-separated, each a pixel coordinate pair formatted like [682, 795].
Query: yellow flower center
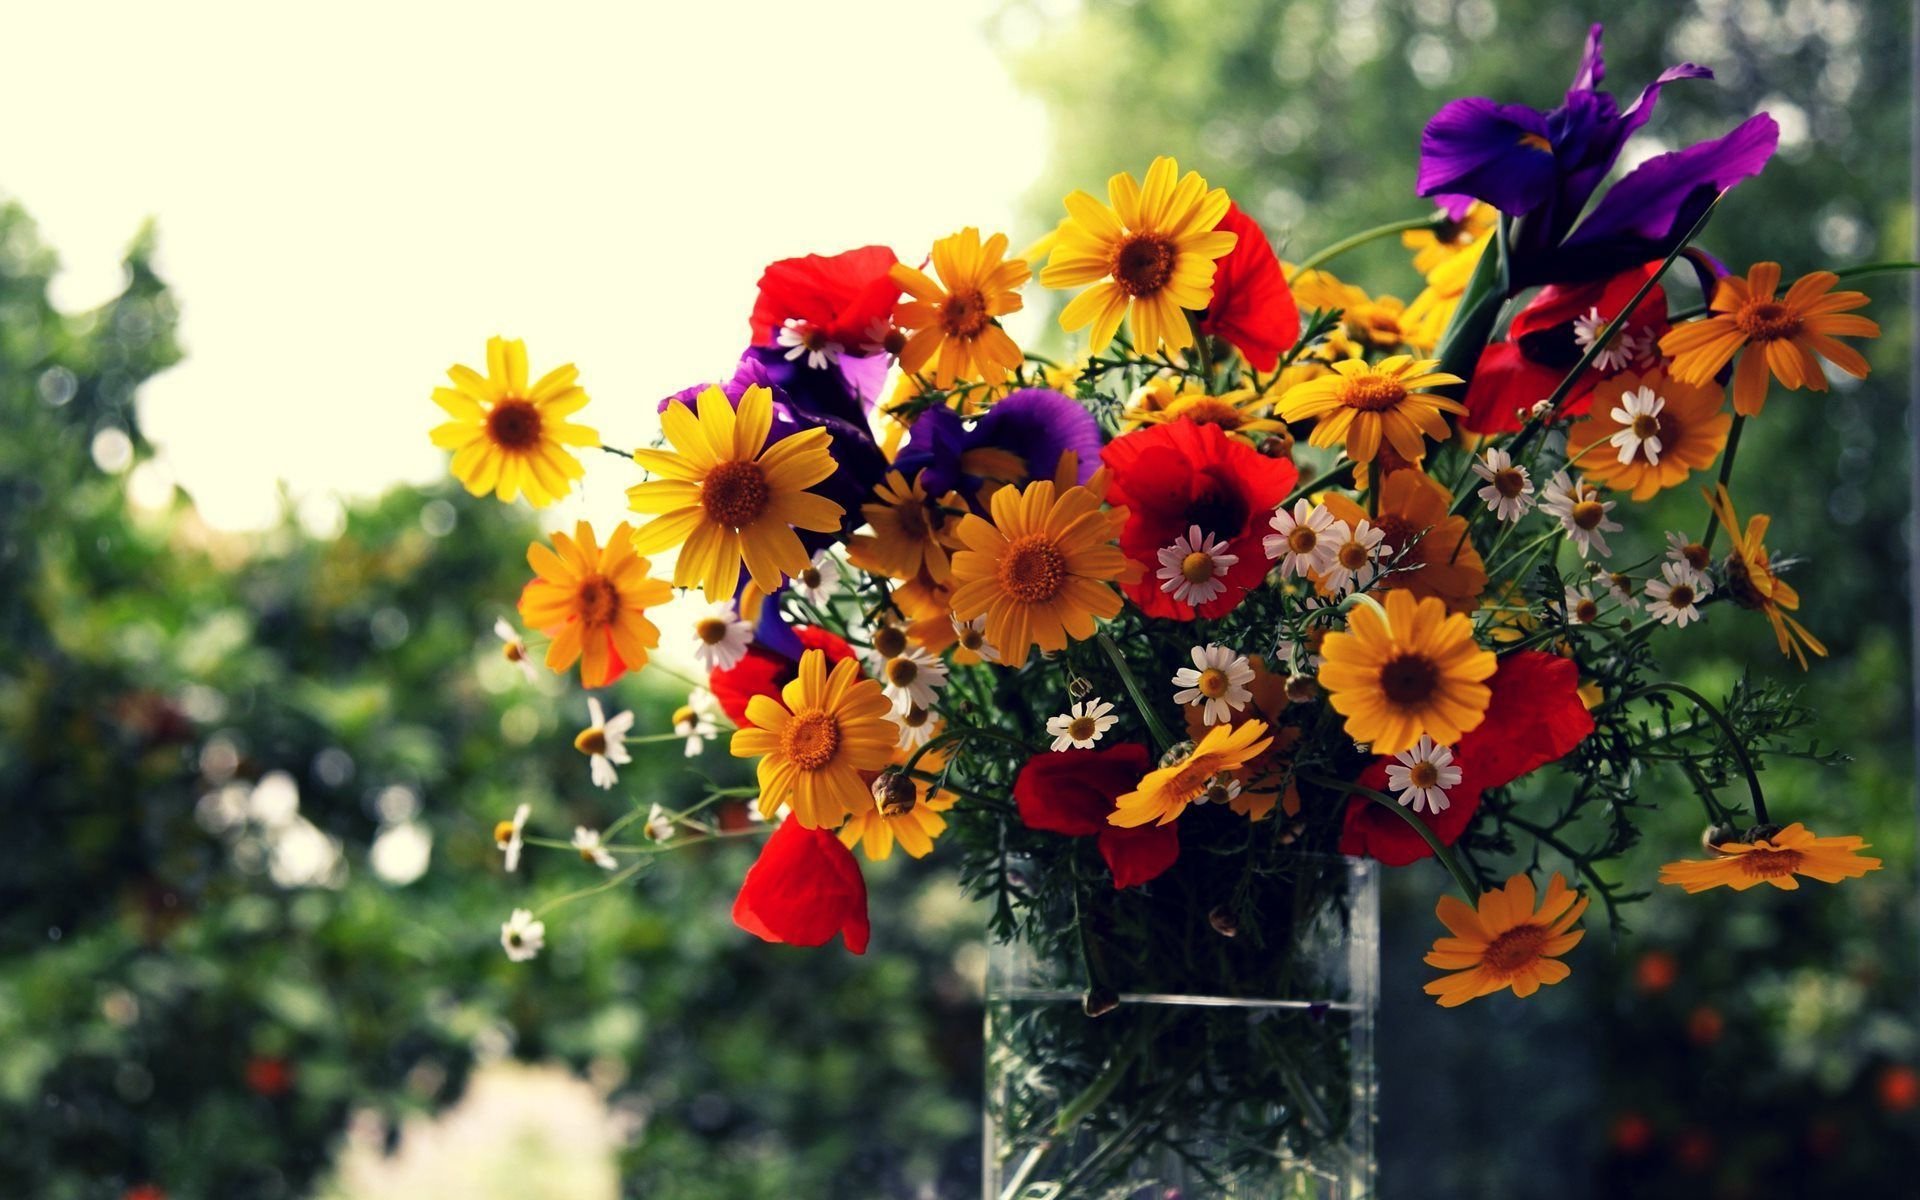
[596, 601]
[1143, 263]
[1218, 792]
[810, 739]
[972, 639]
[964, 315]
[902, 671]
[513, 651]
[1197, 567]
[1082, 729]
[514, 424]
[1033, 570]
[1516, 948]
[1408, 680]
[1588, 514]
[1352, 555]
[1509, 482]
[914, 718]
[1375, 323]
[1767, 322]
[1645, 426]
[1213, 683]
[503, 831]
[889, 641]
[810, 577]
[1302, 540]
[684, 715]
[1534, 141]
[1587, 611]
[711, 630]
[735, 493]
[591, 741]
[1372, 392]
[1208, 410]
[1423, 775]
[1770, 864]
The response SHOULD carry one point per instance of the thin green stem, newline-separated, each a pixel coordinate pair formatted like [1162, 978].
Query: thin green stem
[626, 454]
[1440, 850]
[1162, 736]
[1726, 473]
[1355, 241]
[1734, 744]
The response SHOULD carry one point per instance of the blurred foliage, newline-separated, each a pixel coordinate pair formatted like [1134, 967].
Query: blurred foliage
[1310, 114]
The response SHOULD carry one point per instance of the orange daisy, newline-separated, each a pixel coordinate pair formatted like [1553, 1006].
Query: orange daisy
[909, 535]
[1752, 584]
[1647, 433]
[815, 741]
[954, 321]
[1776, 860]
[1506, 943]
[592, 602]
[1781, 336]
[1428, 546]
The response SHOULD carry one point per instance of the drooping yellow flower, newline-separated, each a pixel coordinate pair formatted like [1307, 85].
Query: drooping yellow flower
[1361, 404]
[1240, 413]
[1647, 432]
[1781, 336]
[1452, 248]
[1506, 943]
[728, 496]
[1149, 255]
[1791, 852]
[1366, 322]
[592, 602]
[1165, 793]
[508, 438]
[904, 810]
[1042, 570]
[814, 742]
[954, 322]
[1752, 584]
[1406, 668]
[909, 535]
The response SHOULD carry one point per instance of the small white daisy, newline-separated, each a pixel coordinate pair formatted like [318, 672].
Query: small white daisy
[799, 338]
[1217, 679]
[1621, 585]
[1581, 512]
[972, 635]
[604, 742]
[1082, 725]
[1304, 540]
[659, 826]
[522, 936]
[1582, 608]
[1194, 568]
[1674, 598]
[508, 836]
[587, 842]
[1687, 552]
[1639, 415]
[696, 721]
[917, 727]
[882, 338]
[1509, 489]
[1296, 658]
[1421, 776]
[514, 648]
[819, 579]
[1621, 350]
[1356, 559]
[721, 638]
[1221, 789]
[910, 679]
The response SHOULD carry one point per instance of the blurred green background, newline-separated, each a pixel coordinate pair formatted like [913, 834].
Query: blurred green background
[249, 900]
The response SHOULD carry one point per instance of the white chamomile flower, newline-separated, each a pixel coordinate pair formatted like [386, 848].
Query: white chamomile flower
[509, 836]
[659, 826]
[514, 648]
[917, 727]
[1687, 552]
[1356, 558]
[1296, 657]
[696, 721]
[721, 638]
[1621, 350]
[1218, 680]
[972, 636]
[1582, 608]
[1304, 540]
[1194, 568]
[1675, 597]
[799, 338]
[522, 936]
[1421, 776]
[604, 742]
[1581, 512]
[1509, 489]
[911, 678]
[819, 579]
[883, 338]
[1082, 725]
[1221, 789]
[1638, 414]
[587, 842]
[1621, 585]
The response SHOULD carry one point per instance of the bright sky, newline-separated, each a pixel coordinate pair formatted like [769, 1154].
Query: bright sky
[354, 196]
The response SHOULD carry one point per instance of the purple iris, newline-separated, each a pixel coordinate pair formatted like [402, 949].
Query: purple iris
[1543, 168]
[1034, 426]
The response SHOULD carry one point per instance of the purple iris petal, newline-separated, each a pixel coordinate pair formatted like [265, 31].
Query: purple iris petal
[1493, 152]
[1035, 425]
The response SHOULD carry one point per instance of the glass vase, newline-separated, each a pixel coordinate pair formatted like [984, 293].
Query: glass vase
[1235, 1063]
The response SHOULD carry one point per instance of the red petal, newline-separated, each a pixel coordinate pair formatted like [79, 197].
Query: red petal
[1136, 856]
[804, 888]
[1252, 306]
[1072, 791]
[843, 294]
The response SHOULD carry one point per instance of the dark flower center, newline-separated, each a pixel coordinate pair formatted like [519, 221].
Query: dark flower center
[1033, 570]
[596, 601]
[1143, 264]
[1768, 322]
[735, 493]
[1409, 680]
[1516, 948]
[514, 424]
[964, 315]
[810, 739]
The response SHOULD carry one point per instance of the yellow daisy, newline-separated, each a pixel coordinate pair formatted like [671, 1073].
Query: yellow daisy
[1042, 569]
[592, 602]
[953, 322]
[1450, 245]
[1506, 943]
[1149, 254]
[1361, 404]
[904, 810]
[508, 438]
[1404, 669]
[1239, 413]
[1752, 584]
[1793, 851]
[728, 496]
[908, 535]
[1366, 322]
[814, 742]
[1165, 793]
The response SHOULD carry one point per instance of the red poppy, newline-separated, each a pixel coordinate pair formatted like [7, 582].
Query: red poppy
[843, 295]
[763, 672]
[1541, 348]
[1252, 306]
[1534, 717]
[1174, 476]
[1073, 791]
[144, 1191]
[269, 1075]
[803, 889]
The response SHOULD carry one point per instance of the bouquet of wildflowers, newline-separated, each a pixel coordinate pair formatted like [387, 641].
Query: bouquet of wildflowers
[1277, 567]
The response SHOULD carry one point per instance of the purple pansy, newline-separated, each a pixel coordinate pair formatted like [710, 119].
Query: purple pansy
[1033, 426]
